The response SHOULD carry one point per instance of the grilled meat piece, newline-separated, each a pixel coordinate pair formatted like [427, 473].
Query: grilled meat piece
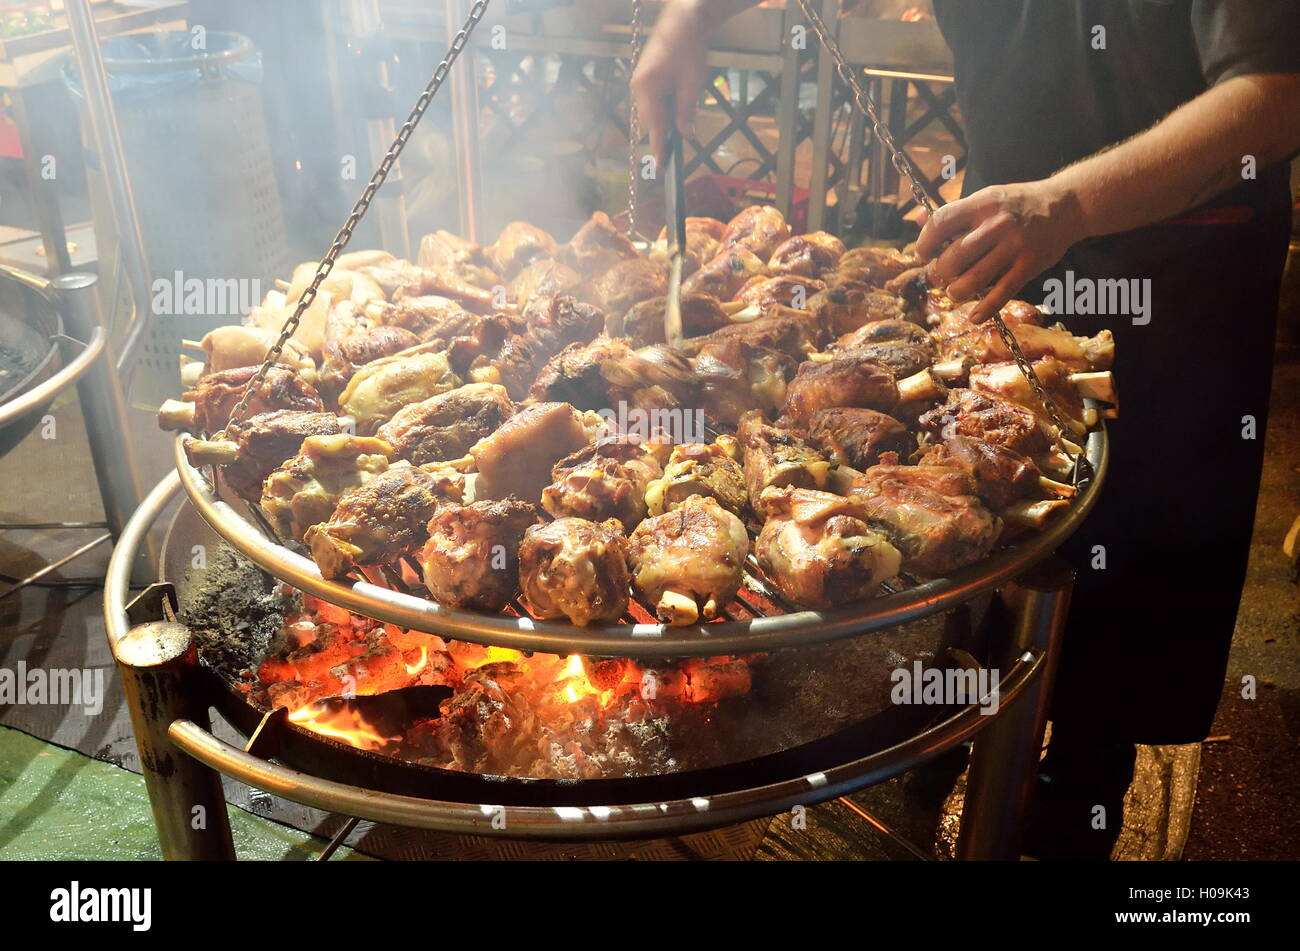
[931, 514]
[736, 377]
[543, 278]
[242, 345]
[1005, 380]
[984, 345]
[857, 437]
[576, 569]
[818, 550]
[382, 520]
[627, 282]
[702, 244]
[517, 458]
[514, 358]
[999, 421]
[432, 282]
[444, 427]
[789, 331]
[689, 562]
[260, 444]
[596, 247]
[452, 254]
[708, 469]
[953, 320]
[344, 354]
[382, 387]
[307, 488]
[886, 331]
[760, 228]
[217, 394]
[518, 245]
[471, 559]
[725, 274]
[807, 255]
[1001, 476]
[845, 307]
[875, 266]
[606, 480]
[644, 322]
[774, 457]
[847, 379]
[435, 320]
[574, 374]
[766, 293]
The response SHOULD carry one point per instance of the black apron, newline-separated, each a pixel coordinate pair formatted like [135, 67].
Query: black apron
[1149, 632]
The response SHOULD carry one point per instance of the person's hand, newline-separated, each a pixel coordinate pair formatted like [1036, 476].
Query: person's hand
[997, 239]
[670, 74]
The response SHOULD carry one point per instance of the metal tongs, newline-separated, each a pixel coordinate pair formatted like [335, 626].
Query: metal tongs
[675, 226]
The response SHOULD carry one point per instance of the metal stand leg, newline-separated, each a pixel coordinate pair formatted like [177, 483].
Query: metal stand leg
[157, 661]
[1004, 765]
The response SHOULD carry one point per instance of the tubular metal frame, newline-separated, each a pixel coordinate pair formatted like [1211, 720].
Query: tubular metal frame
[166, 723]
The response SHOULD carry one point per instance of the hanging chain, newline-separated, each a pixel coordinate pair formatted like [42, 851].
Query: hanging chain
[903, 164]
[633, 121]
[362, 206]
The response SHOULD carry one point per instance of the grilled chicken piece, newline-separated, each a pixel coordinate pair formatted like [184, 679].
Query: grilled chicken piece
[818, 550]
[689, 562]
[886, 331]
[307, 488]
[576, 569]
[543, 278]
[436, 320]
[574, 374]
[708, 469]
[344, 354]
[432, 282]
[903, 359]
[857, 437]
[845, 307]
[736, 377]
[774, 457]
[875, 266]
[760, 228]
[644, 323]
[765, 293]
[1005, 380]
[241, 345]
[596, 247]
[518, 245]
[517, 458]
[999, 421]
[256, 447]
[931, 514]
[1000, 475]
[382, 520]
[628, 282]
[807, 255]
[847, 379]
[452, 254]
[471, 559]
[382, 387]
[207, 407]
[725, 274]
[444, 427]
[606, 480]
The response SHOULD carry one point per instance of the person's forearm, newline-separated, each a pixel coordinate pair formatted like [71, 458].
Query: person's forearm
[1193, 154]
[708, 14]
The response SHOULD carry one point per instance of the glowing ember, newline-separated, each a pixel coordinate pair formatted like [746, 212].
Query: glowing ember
[343, 724]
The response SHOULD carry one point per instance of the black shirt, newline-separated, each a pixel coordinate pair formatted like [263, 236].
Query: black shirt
[1036, 95]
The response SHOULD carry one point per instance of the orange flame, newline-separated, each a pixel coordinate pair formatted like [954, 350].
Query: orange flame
[419, 665]
[345, 724]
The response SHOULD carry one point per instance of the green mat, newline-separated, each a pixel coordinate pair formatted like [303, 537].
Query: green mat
[59, 804]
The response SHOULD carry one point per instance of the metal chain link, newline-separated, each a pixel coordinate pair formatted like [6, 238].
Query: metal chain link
[362, 205]
[633, 121]
[908, 171]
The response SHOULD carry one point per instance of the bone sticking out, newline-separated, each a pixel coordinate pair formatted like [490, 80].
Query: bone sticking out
[1033, 515]
[1090, 417]
[1098, 386]
[1059, 489]
[191, 372]
[188, 344]
[923, 386]
[950, 370]
[175, 415]
[203, 452]
[677, 609]
[1056, 463]
[744, 314]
